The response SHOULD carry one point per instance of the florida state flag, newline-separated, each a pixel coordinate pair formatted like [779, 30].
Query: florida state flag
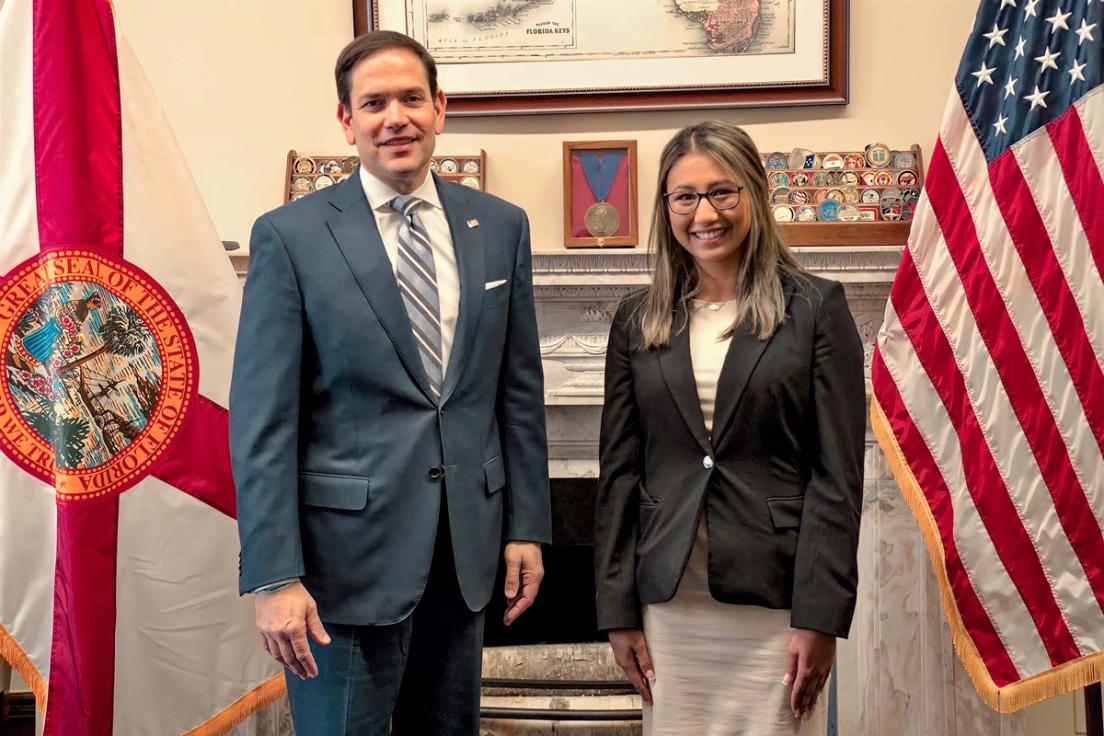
[118, 308]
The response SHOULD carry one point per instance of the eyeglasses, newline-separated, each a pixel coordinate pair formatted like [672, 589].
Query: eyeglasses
[721, 198]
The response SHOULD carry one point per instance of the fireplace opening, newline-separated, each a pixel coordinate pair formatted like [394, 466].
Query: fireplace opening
[564, 610]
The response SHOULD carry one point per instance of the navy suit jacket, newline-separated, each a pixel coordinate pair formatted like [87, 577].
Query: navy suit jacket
[340, 454]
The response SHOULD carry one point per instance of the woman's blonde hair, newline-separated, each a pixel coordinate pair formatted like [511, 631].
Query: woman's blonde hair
[675, 278]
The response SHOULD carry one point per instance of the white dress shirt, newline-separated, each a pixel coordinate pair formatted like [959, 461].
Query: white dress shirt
[432, 215]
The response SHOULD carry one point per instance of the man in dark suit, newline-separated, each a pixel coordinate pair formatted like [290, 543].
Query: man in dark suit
[387, 420]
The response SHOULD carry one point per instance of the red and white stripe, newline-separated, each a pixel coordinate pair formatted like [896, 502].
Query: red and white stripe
[988, 369]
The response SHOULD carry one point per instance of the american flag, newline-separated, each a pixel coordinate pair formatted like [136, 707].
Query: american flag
[988, 389]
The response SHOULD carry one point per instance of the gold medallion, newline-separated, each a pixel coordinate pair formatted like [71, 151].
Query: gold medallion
[602, 220]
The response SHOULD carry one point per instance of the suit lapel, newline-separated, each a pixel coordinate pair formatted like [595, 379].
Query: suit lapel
[468, 245]
[354, 229]
[678, 373]
[743, 354]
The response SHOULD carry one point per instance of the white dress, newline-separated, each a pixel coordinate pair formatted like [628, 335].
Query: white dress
[718, 666]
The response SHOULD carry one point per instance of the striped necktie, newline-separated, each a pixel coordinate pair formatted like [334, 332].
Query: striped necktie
[417, 278]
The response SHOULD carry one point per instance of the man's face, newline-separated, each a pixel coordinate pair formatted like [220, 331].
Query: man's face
[393, 120]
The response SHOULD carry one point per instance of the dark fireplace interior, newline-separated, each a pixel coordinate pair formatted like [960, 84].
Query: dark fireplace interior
[564, 610]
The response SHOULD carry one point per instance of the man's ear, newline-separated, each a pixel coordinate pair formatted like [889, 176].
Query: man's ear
[345, 117]
[439, 105]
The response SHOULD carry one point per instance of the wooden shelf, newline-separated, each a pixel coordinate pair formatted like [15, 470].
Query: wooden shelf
[845, 233]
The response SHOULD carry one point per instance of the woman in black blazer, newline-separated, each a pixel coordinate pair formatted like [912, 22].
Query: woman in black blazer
[731, 459]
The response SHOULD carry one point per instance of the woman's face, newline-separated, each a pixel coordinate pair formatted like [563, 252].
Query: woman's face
[712, 237]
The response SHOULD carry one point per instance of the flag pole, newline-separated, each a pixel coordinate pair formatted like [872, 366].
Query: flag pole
[1094, 719]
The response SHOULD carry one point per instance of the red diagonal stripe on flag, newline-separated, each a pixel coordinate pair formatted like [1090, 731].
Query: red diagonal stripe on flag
[82, 659]
[198, 461]
[931, 483]
[1004, 343]
[78, 135]
[78, 175]
[1011, 541]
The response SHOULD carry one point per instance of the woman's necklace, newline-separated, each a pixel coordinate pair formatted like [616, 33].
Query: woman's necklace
[716, 306]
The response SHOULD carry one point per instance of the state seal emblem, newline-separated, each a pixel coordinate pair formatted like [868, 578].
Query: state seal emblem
[100, 371]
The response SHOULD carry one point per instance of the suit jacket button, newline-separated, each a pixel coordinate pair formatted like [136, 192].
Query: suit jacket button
[707, 462]
[436, 472]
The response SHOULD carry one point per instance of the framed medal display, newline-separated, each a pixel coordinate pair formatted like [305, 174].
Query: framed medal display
[599, 181]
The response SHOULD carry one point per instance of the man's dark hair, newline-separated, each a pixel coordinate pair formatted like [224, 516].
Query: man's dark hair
[371, 43]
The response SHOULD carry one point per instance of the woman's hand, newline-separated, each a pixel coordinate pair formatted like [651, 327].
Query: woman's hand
[630, 651]
[808, 665]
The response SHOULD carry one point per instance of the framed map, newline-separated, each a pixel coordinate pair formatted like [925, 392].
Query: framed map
[536, 56]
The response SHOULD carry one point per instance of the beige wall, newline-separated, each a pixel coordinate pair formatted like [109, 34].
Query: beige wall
[244, 81]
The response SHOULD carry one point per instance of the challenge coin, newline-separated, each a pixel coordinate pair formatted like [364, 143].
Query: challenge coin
[854, 161]
[828, 211]
[783, 213]
[877, 155]
[303, 165]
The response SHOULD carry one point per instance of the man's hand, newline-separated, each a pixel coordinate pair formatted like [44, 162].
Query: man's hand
[630, 651]
[524, 571]
[284, 618]
[808, 665]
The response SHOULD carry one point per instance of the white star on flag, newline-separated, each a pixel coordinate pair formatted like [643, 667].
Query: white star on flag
[1047, 60]
[985, 74]
[1058, 20]
[1085, 32]
[996, 36]
[1020, 47]
[1030, 8]
[1038, 99]
[1010, 87]
[1006, 3]
[999, 125]
[1076, 72]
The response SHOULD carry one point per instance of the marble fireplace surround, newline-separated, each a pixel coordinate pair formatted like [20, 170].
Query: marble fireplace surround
[897, 673]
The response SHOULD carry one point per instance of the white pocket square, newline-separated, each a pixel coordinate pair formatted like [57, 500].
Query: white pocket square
[494, 284]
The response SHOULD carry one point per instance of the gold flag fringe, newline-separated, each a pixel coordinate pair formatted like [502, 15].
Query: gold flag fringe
[21, 663]
[1060, 680]
[232, 715]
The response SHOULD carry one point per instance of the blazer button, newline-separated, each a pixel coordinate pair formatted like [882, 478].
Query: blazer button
[707, 462]
[436, 472]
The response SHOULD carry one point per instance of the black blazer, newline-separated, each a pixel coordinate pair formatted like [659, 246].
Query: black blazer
[780, 481]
